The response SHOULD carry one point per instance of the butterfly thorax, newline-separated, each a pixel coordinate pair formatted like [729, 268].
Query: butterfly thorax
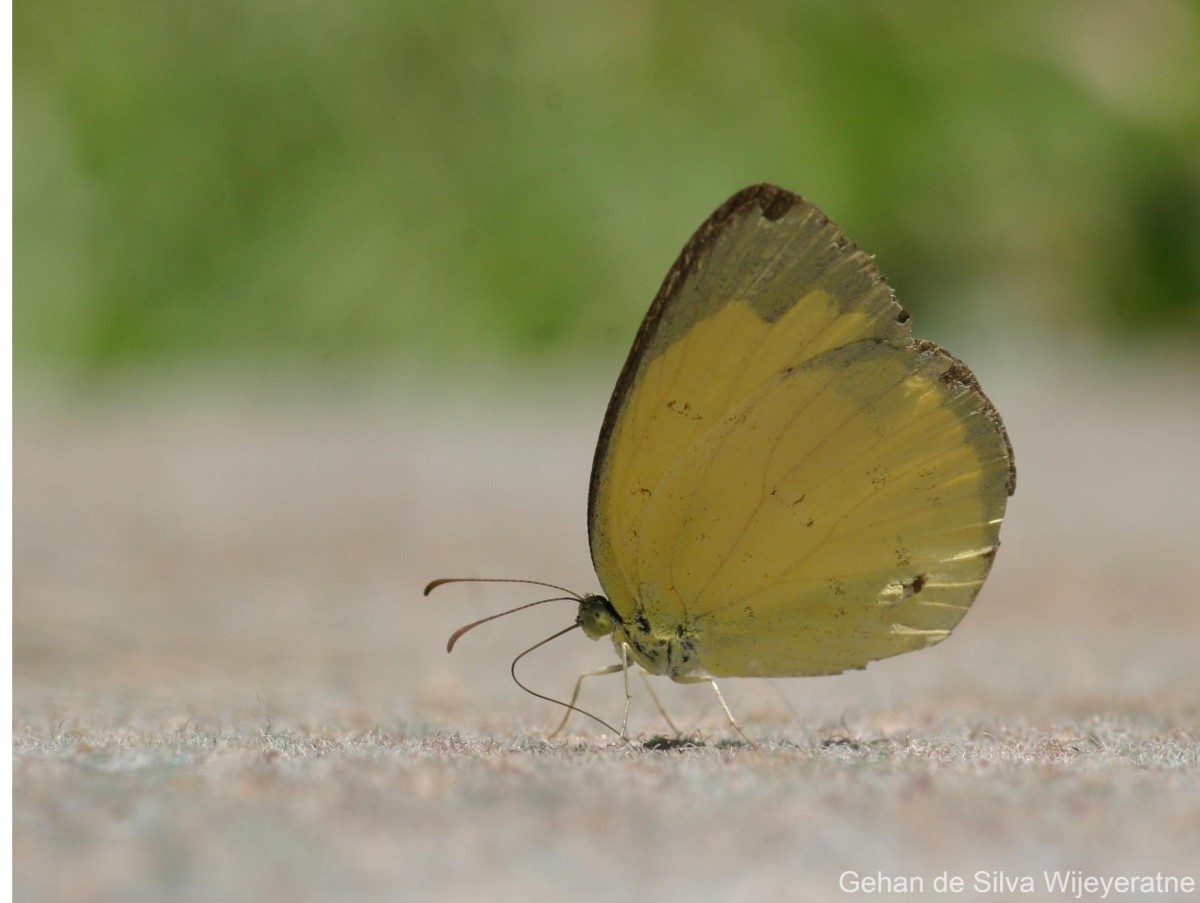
[658, 653]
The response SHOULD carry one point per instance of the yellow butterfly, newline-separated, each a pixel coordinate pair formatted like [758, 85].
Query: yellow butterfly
[786, 482]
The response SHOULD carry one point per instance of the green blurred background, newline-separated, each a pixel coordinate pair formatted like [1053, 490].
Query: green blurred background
[432, 184]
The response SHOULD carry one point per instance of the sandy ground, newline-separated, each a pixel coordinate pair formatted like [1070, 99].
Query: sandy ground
[228, 686]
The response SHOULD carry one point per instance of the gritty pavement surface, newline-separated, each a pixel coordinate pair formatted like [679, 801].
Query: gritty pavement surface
[227, 685]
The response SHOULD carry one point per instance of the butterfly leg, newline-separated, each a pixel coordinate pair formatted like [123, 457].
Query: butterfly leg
[696, 679]
[611, 669]
[658, 704]
[629, 696]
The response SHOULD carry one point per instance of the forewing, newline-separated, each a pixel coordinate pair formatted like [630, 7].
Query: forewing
[767, 283]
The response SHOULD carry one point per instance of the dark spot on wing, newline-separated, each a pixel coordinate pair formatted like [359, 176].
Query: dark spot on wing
[685, 410]
[775, 202]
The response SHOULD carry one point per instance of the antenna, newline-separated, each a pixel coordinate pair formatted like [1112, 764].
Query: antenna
[569, 597]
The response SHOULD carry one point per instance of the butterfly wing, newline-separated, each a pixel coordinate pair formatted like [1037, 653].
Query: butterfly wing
[784, 477]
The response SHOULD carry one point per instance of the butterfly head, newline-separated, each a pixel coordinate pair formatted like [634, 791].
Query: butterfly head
[596, 616]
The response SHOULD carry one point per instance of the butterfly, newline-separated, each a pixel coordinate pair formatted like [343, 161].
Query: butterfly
[786, 482]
